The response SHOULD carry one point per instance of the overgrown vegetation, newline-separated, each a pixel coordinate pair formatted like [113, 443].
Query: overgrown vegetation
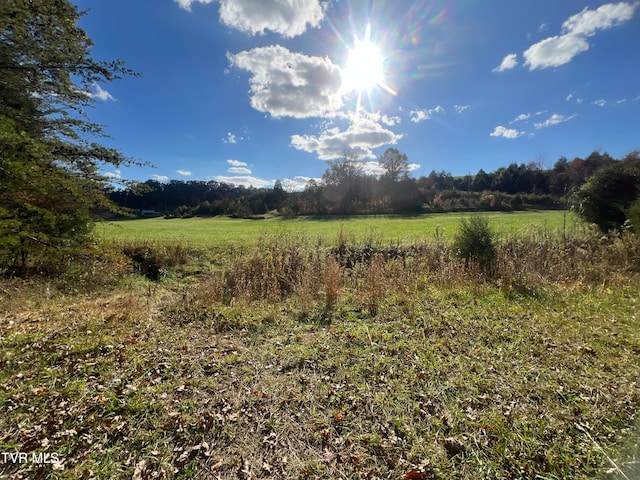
[299, 357]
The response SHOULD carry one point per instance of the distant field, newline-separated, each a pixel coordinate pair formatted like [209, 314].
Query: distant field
[220, 231]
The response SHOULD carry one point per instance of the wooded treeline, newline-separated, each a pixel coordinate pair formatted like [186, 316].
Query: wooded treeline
[346, 189]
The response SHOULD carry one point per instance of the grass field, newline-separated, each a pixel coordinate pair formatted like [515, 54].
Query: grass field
[292, 358]
[222, 231]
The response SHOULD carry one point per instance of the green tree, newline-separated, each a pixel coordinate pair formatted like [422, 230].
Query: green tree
[342, 183]
[395, 165]
[608, 197]
[49, 166]
[475, 242]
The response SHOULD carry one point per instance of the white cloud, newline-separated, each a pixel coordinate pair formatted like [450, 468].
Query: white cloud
[289, 18]
[231, 138]
[508, 62]
[461, 108]
[115, 175]
[160, 178]
[237, 163]
[554, 120]
[621, 100]
[554, 51]
[297, 183]
[588, 22]
[245, 180]
[101, 94]
[520, 118]
[288, 84]
[600, 103]
[240, 170]
[377, 117]
[186, 4]
[561, 49]
[184, 173]
[361, 137]
[421, 115]
[390, 121]
[505, 132]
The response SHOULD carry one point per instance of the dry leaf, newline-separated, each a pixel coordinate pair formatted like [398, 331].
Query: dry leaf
[414, 475]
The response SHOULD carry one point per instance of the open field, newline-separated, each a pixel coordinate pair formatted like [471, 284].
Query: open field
[221, 231]
[295, 358]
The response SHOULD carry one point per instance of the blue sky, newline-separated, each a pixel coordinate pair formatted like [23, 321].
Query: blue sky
[254, 91]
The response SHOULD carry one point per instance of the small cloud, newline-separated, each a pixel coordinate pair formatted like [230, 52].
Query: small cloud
[238, 167]
[160, 178]
[115, 175]
[554, 51]
[508, 62]
[101, 94]
[620, 101]
[186, 4]
[521, 117]
[240, 170]
[600, 103]
[569, 97]
[390, 121]
[543, 27]
[461, 108]
[554, 119]
[231, 138]
[297, 183]
[184, 173]
[505, 132]
[418, 116]
[237, 163]
[245, 181]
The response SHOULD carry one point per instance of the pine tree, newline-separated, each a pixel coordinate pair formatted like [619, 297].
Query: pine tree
[49, 167]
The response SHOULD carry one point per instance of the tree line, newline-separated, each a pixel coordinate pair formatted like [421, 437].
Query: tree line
[346, 189]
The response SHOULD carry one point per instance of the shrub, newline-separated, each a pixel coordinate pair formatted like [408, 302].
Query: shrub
[475, 243]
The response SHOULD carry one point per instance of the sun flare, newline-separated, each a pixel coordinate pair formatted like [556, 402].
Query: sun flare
[364, 68]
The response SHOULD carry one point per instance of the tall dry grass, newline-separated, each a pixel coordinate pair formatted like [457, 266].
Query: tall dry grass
[313, 275]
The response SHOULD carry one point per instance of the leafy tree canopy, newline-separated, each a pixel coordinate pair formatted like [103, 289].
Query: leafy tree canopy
[610, 197]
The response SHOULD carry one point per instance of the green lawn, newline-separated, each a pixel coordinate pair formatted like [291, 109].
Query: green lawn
[220, 231]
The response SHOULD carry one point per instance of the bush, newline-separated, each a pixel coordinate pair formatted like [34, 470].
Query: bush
[475, 243]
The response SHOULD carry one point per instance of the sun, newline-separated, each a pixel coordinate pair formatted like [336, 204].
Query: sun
[364, 68]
